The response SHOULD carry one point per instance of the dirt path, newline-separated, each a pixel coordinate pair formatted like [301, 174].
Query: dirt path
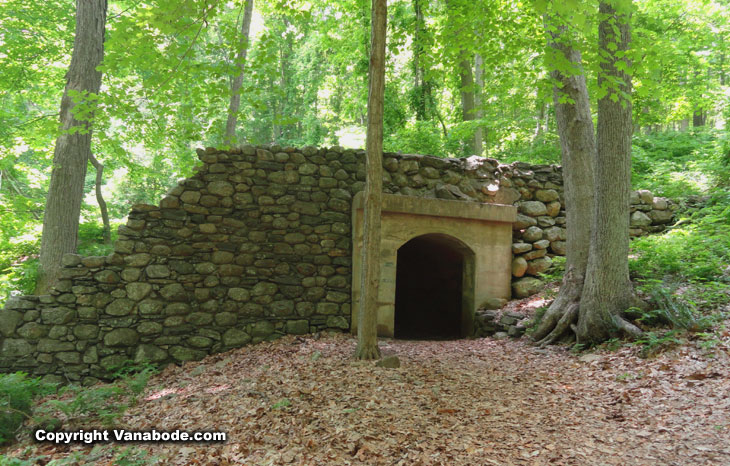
[304, 401]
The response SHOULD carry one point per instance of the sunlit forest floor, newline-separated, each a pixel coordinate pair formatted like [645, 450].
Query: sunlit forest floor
[304, 400]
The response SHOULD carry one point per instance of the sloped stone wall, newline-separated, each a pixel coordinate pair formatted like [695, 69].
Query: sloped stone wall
[255, 245]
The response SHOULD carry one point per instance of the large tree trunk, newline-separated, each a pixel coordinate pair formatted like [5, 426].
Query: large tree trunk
[578, 149]
[73, 148]
[367, 332]
[607, 290]
[467, 98]
[235, 102]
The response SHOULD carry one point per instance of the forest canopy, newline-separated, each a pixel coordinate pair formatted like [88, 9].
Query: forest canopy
[462, 78]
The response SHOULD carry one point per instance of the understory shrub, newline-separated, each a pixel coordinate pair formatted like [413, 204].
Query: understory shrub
[101, 403]
[696, 249]
[675, 311]
[17, 392]
[73, 405]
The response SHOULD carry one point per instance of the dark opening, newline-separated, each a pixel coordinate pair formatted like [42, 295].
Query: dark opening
[428, 293]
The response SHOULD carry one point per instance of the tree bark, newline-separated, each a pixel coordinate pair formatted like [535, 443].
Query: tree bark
[107, 231]
[698, 118]
[367, 332]
[467, 99]
[540, 119]
[607, 290]
[235, 102]
[478, 112]
[578, 149]
[420, 89]
[73, 145]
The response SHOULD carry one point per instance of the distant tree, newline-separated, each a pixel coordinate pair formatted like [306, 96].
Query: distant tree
[367, 332]
[237, 80]
[73, 146]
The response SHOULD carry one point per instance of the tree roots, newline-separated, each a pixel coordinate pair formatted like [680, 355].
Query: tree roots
[567, 322]
[367, 352]
[561, 317]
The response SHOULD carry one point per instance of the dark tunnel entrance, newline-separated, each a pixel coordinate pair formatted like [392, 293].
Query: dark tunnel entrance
[429, 288]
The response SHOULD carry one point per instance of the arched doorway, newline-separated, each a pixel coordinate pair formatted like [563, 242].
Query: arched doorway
[433, 279]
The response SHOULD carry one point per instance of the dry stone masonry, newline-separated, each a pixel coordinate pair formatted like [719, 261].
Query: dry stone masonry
[255, 245]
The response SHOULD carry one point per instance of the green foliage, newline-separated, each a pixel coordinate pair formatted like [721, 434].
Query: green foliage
[612, 344]
[19, 257]
[698, 249]
[18, 270]
[281, 404]
[120, 456]
[101, 403]
[91, 241]
[534, 323]
[13, 461]
[676, 164]
[675, 311]
[132, 456]
[17, 392]
[417, 137]
[556, 270]
[654, 342]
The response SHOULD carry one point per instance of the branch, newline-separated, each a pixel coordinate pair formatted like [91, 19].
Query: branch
[123, 11]
[33, 120]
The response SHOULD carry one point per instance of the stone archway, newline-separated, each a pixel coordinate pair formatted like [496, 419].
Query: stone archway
[434, 288]
[481, 233]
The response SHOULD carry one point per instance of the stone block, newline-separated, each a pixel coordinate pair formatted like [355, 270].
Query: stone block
[235, 337]
[121, 337]
[9, 321]
[519, 267]
[533, 208]
[146, 352]
[120, 307]
[57, 315]
[525, 287]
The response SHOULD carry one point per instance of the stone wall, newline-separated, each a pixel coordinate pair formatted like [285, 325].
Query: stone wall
[539, 233]
[255, 245]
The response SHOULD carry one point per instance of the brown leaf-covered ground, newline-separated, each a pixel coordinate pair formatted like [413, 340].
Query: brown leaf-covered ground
[302, 400]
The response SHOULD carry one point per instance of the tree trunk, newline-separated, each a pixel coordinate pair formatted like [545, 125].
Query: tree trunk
[607, 290]
[73, 147]
[235, 102]
[419, 85]
[467, 99]
[107, 231]
[698, 118]
[478, 112]
[578, 149]
[540, 119]
[367, 332]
